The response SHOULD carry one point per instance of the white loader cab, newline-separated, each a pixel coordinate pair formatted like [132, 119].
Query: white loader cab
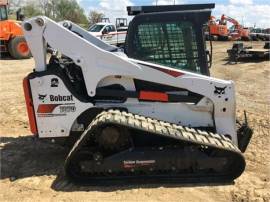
[109, 33]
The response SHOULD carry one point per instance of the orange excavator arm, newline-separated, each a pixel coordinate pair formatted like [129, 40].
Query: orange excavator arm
[239, 31]
[225, 18]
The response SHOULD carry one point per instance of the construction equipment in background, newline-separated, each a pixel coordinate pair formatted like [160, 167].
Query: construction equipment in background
[110, 33]
[260, 34]
[239, 51]
[152, 114]
[121, 24]
[105, 20]
[266, 34]
[239, 32]
[216, 30]
[11, 34]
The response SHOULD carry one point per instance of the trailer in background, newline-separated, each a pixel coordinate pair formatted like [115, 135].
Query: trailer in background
[239, 51]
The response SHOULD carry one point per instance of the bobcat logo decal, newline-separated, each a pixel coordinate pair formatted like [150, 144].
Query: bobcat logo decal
[219, 90]
[41, 97]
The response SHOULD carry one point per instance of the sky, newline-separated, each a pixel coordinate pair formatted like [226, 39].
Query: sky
[248, 12]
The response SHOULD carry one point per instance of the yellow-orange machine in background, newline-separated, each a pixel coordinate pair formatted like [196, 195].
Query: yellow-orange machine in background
[11, 35]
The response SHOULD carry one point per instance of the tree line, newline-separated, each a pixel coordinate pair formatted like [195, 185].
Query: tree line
[57, 10]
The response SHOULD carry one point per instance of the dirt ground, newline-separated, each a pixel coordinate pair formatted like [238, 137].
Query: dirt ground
[32, 170]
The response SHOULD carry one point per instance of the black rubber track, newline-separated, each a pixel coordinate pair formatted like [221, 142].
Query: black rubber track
[219, 144]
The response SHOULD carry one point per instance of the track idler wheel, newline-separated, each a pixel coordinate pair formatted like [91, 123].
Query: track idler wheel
[113, 138]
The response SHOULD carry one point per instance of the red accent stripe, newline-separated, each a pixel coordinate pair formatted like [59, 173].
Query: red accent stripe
[46, 108]
[171, 72]
[167, 71]
[29, 105]
[153, 96]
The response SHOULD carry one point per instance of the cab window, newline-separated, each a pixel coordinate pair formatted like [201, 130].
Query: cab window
[3, 13]
[171, 44]
[108, 29]
[112, 28]
[96, 28]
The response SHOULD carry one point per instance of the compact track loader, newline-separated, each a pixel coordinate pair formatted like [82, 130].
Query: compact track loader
[149, 113]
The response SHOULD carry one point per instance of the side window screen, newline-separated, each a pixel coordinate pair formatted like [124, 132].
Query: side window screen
[171, 44]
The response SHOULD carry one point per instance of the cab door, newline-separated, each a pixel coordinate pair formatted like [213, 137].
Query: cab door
[106, 34]
[114, 35]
